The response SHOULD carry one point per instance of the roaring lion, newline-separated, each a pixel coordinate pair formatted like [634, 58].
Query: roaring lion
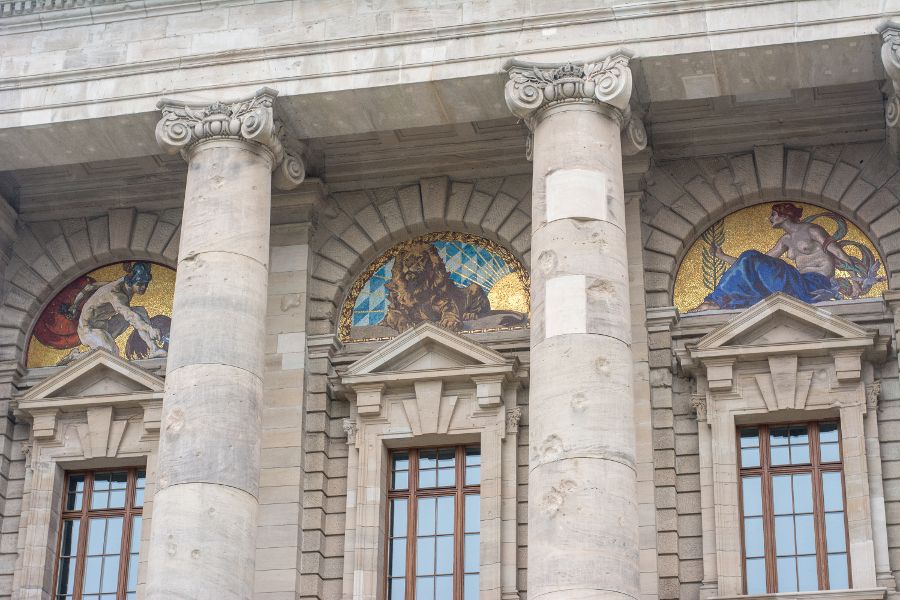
[421, 290]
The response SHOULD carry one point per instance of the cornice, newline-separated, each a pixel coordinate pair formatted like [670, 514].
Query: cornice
[636, 11]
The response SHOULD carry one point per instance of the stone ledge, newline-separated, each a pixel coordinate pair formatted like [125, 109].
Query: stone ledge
[868, 594]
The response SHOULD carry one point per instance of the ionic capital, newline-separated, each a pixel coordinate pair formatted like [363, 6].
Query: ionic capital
[534, 87]
[251, 120]
[890, 58]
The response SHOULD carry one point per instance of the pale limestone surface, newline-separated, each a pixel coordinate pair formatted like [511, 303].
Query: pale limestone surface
[582, 513]
[749, 103]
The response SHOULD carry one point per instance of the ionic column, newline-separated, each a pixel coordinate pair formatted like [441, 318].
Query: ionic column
[582, 505]
[203, 536]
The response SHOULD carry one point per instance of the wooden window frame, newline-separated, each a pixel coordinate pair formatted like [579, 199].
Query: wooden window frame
[460, 490]
[765, 471]
[84, 515]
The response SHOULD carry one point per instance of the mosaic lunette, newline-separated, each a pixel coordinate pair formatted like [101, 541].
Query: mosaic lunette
[800, 249]
[459, 281]
[125, 308]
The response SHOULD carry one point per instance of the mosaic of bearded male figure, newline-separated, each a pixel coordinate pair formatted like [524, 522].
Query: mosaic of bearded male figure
[458, 281]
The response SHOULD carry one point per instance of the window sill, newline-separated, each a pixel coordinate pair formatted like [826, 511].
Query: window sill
[869, 594]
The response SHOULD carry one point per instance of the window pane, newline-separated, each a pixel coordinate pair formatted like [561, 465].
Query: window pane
[749, 457]
[837, 572]
[113, 536]
[779, 436]
[834, 532]
[75, 492]
[446, 511]
[473, 513]
[443, 564]
[69, 546]
[806, 534]
[446, 457]
[397, 589]
[140, 483]
[66, 580]
[752, 496]
[781, 494]
[756, 575]
[754, 544]
[92, 568]
[800, 454]
[400, 480]
[101, 481]
[424, 588]
[830, 452]
[132, 573]
[749, 437]
[400, 461]
[799, 435]
[803, 493]
[832, 491]
[110, 580]
[473, 455]
[828, 432]
[781, 455]
[446, 477]
[471, 555]
[427, 459]
[96, 536]
[99, 500]
[784, 536]
[787, 574]
[135, 534]
[807, 574]
[427, 479]
[425, 556]
[398, 557]
[470, 585]
[473, 475]
[443, 588]
[400, 471]
[425, 518]
[399, 513]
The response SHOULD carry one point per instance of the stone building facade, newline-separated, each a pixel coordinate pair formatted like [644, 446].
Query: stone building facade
[268, 268]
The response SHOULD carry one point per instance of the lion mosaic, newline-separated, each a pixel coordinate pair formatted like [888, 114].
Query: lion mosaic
[421, 290]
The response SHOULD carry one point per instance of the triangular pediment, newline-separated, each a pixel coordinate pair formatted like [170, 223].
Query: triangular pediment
[97, 374]
[783, 320]
[426, 348]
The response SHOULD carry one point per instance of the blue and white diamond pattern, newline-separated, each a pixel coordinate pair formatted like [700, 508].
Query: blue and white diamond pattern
[466, 263]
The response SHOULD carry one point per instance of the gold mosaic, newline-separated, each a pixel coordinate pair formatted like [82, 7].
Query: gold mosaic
[125, 308]
[800, 249]
[459, 281]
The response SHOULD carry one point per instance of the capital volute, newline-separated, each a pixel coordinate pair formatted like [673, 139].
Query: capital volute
[534, 87]
[890, 50]
[251, 120]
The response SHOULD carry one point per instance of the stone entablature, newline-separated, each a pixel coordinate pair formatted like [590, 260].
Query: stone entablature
[99, 412]
[779, 361]
[430, 386]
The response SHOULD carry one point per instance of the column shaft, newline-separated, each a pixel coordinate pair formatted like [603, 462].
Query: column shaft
[203, 539]
[582, 512]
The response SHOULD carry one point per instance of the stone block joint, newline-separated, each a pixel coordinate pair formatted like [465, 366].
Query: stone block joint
[251, 120]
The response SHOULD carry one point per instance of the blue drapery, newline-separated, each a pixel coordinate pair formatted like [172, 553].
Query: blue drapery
[755, 275]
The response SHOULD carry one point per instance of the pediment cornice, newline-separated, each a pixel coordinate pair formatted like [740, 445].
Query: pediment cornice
[428, 353]
[96, 385]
